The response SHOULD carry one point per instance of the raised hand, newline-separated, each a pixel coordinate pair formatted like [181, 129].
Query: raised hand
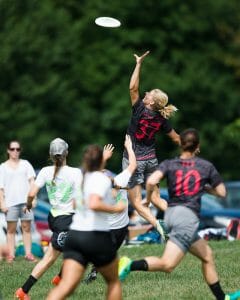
[107, 151]
[128, 142]
[139, 59]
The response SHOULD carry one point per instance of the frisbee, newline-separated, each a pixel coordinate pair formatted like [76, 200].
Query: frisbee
[107, 22]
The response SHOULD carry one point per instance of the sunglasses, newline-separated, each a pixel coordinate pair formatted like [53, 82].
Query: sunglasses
[15, 149]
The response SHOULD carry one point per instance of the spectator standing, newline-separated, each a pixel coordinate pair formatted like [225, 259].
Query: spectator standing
[16, 177]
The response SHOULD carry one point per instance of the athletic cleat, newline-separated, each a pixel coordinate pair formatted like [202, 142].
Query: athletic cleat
[233, 296]
[124, 267]
[91, 277]
[56, 279]
[19, 294]
[161, 228]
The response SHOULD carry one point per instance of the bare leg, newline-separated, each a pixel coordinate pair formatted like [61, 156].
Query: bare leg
[110, 274]
[171, 257]
[45, 263]
[11, 231]
[157, 200]
[27, 237]
[202, 250]
[136, 200]
[71, 276]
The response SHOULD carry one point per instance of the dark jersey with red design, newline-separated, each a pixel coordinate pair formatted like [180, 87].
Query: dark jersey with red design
[143, 126]
[186, 179]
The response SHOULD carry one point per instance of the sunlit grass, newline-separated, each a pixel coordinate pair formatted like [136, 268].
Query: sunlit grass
[186, 282]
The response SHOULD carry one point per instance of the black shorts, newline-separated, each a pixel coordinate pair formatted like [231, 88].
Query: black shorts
[59, 226]
[118, 236]
[96, 247]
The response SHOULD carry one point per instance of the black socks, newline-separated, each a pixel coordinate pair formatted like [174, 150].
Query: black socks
[29, 283]
[139, 265]
[217, 291]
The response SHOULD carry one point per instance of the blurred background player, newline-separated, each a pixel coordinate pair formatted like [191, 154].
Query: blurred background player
[187, 177]
[89, 239]
[16, 177]
[149, 116]
[63, 187]
[119, 221]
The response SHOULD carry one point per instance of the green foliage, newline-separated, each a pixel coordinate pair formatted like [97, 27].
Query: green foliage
[61, 75]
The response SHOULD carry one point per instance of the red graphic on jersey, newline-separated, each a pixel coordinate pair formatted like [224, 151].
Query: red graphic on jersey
[147, 129]
[184, 182]
[187, 164]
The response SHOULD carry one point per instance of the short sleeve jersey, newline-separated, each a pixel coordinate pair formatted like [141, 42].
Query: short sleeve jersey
[120, 220]
[143, 126]
[65, 188]
[86, 219]
[186, 179]
[15, 182]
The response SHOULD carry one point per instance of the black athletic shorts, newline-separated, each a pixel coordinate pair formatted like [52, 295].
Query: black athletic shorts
[96, 247]
[118, 236]
[59, 226]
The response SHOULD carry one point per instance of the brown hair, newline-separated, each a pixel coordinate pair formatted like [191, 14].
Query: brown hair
[9, 145]
[160, 104]
[58, 161]
[92, 158]
[189, 140]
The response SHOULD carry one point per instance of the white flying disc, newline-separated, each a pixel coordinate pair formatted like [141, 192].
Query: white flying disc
[107, 22]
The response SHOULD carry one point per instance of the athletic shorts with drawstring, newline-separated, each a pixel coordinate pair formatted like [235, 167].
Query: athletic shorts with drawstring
[84, 247]
[60, 227]
[144, 169]
[182, 224]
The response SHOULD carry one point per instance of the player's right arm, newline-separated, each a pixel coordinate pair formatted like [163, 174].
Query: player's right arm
[134, 81]
[131, 155]
[219, 190]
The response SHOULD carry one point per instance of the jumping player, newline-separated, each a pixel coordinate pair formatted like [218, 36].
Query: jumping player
[149, 116]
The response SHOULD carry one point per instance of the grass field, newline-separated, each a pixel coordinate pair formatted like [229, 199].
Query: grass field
[185, 282]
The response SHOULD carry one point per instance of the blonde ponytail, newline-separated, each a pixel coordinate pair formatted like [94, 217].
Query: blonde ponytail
[160, 104]
[168, 111]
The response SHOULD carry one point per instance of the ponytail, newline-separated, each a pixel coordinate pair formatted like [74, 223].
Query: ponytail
[58, 163]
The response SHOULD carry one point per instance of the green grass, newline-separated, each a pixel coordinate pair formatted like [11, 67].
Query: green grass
[186, 282]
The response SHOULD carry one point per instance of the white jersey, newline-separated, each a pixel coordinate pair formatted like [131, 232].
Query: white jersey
[15, 182]
[120, 220]
[64, 190]
[86, 219]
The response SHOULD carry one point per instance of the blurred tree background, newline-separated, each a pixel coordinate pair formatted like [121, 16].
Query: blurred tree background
[61, 75]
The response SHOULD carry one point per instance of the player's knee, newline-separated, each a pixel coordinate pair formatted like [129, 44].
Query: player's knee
[168, 267]
[208, 255]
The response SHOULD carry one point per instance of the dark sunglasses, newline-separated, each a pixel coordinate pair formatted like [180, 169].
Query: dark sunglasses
[15, 149]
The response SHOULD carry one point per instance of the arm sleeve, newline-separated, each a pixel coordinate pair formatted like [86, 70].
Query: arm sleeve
[122, 178]
[30, 171]
[163, 167]
[41, 178]
[215, 178]
[166, 126]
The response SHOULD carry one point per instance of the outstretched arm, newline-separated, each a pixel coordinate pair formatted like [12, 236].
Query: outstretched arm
[131, 155]
[174, 137]
[134, 81]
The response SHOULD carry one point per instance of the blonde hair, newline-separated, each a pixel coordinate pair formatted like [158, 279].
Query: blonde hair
[160, 104]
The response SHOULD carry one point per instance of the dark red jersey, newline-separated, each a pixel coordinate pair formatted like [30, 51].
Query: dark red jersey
[186, 179]
[143, 126]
